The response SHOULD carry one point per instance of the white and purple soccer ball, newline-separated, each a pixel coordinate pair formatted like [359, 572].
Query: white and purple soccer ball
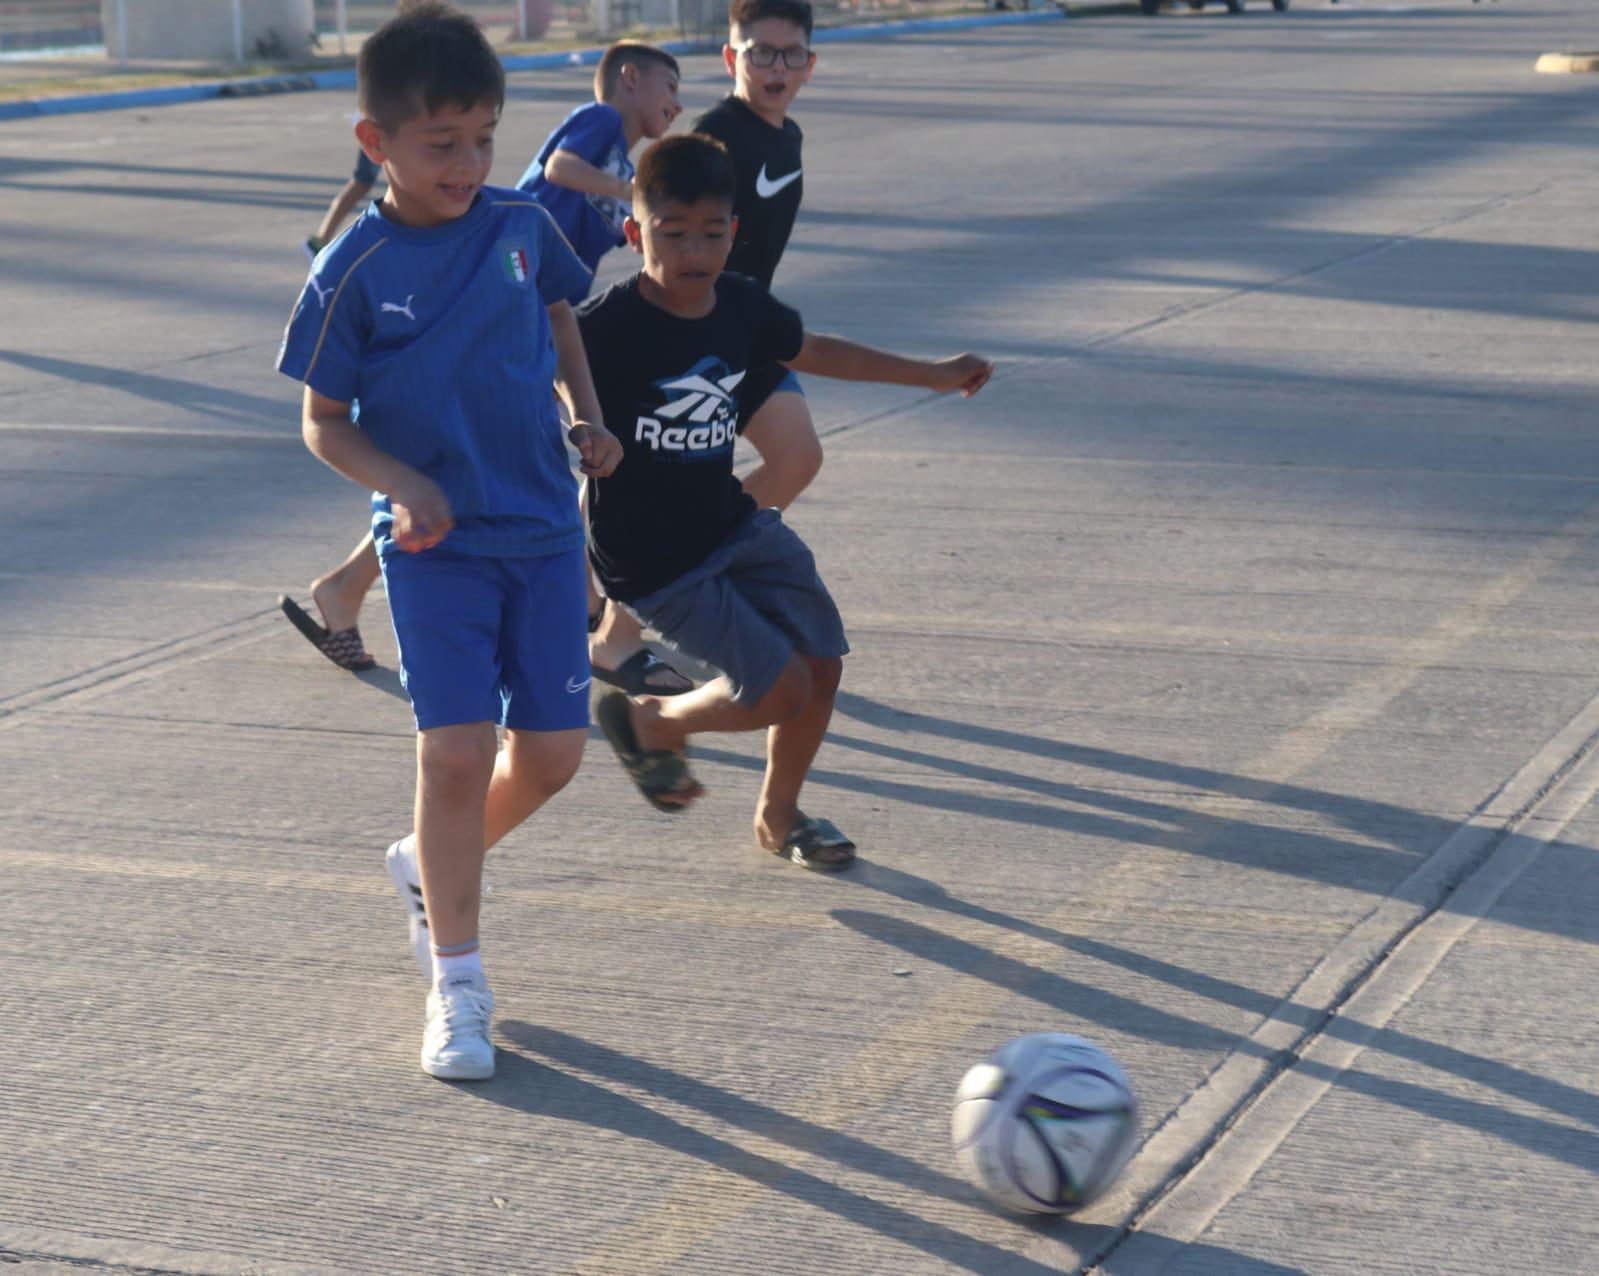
[1045, 1124]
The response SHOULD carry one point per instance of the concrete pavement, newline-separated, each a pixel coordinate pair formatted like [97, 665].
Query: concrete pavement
[1223, 691]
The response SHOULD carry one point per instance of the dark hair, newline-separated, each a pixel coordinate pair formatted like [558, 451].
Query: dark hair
[641, 55]
[684, 169]
[428, 56]
[745, 13]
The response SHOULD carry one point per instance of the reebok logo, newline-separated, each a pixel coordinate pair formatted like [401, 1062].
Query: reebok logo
[766, 186]
[705, 405]
[703, 399]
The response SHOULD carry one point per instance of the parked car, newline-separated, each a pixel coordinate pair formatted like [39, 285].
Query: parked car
[1151, 7]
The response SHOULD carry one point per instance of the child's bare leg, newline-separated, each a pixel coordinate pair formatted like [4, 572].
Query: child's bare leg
[352, 193]
[340, 593]
[454, 766]
[532, 768]
[791, 747]
[791, 455]
[666, 722]
[619, 636]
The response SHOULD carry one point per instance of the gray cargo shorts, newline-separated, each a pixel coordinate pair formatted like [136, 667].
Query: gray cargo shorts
[755, 600]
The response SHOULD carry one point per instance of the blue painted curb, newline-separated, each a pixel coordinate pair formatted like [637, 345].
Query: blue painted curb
[345, 78]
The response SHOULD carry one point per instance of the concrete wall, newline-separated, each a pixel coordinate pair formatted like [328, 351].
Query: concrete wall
[203, 30]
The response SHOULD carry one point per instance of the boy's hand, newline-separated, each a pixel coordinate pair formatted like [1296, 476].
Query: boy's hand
[422, 514]
[599, 451]
[964, 372]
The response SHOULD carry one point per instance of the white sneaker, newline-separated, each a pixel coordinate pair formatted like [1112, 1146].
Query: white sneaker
[455, 1044]
[401, 860]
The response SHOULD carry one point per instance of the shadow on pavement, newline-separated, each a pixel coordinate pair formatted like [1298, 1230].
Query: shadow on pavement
[525, 1084]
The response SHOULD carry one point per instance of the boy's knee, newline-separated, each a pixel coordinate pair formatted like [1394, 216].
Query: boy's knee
[826, 673]
[456, 757]
[545, 763]
[790, 693]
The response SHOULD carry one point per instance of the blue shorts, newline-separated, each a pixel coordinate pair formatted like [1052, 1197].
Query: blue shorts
[491, 639]
[754, 601]
[366, 172]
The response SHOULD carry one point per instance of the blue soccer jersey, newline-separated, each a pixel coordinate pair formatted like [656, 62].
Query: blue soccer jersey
[440, 341]
[593, 223]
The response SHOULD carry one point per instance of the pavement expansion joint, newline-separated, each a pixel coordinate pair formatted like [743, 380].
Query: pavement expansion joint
[114, 674]
[1192, 1169]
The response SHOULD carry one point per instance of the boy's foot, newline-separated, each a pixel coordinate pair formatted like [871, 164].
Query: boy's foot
[812, 844]
[455, 1043]
[401, 860]
[342, 646]
[661, 775]
[339, 612]
[644, 674]
[625, 663]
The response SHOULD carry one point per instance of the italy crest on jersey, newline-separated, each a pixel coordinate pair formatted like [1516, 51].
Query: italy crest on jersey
[513, 256]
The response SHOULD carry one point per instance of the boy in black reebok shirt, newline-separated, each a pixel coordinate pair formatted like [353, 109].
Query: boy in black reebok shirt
[769, 57]
[676, 539]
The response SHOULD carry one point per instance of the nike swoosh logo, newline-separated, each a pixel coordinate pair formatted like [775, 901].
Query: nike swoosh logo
[574, 686]
[765, 187]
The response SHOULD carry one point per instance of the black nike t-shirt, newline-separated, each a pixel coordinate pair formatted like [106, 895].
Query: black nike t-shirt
[666, 387]
[766, 165]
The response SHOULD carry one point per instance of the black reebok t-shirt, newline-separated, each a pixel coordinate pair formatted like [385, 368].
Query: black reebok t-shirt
[766, 165]
[665, 385]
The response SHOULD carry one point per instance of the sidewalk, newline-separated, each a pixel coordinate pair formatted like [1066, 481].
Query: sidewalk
[70, 84]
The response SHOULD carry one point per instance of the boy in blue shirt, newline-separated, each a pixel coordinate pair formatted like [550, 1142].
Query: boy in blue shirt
[675, 537]
[582, 173]
[360, 185]
[430, 337]
[583, 176]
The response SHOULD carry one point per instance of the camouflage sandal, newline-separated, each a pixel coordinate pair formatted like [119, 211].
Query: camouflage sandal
[816, 845]
[654, 772]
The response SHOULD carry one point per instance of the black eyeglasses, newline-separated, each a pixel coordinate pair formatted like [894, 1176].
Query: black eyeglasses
[796, 57]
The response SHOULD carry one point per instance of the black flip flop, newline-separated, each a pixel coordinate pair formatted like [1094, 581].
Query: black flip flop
[343, 648]
[633, 675]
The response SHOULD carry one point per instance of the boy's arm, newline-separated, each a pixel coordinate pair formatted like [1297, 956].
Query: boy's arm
[599, 451]
[829, 356]
[571, 170]
[422, 516]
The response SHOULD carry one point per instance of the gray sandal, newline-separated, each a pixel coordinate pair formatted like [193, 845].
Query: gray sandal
[817, 845]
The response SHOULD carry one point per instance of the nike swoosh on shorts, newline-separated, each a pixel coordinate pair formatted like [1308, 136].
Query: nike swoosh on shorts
[766, 187]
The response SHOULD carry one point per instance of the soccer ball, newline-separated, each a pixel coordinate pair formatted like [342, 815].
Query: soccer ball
[1045, 1123]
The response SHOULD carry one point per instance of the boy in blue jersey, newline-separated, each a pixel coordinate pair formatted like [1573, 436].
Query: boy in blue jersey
[676, 539]
[583, 176]
[360, 185]
[582, 173]
[430, 338]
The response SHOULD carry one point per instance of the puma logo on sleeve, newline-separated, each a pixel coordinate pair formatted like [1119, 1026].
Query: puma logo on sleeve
[389, 307]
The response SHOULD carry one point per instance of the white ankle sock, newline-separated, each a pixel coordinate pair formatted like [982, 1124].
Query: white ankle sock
[451, 968]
